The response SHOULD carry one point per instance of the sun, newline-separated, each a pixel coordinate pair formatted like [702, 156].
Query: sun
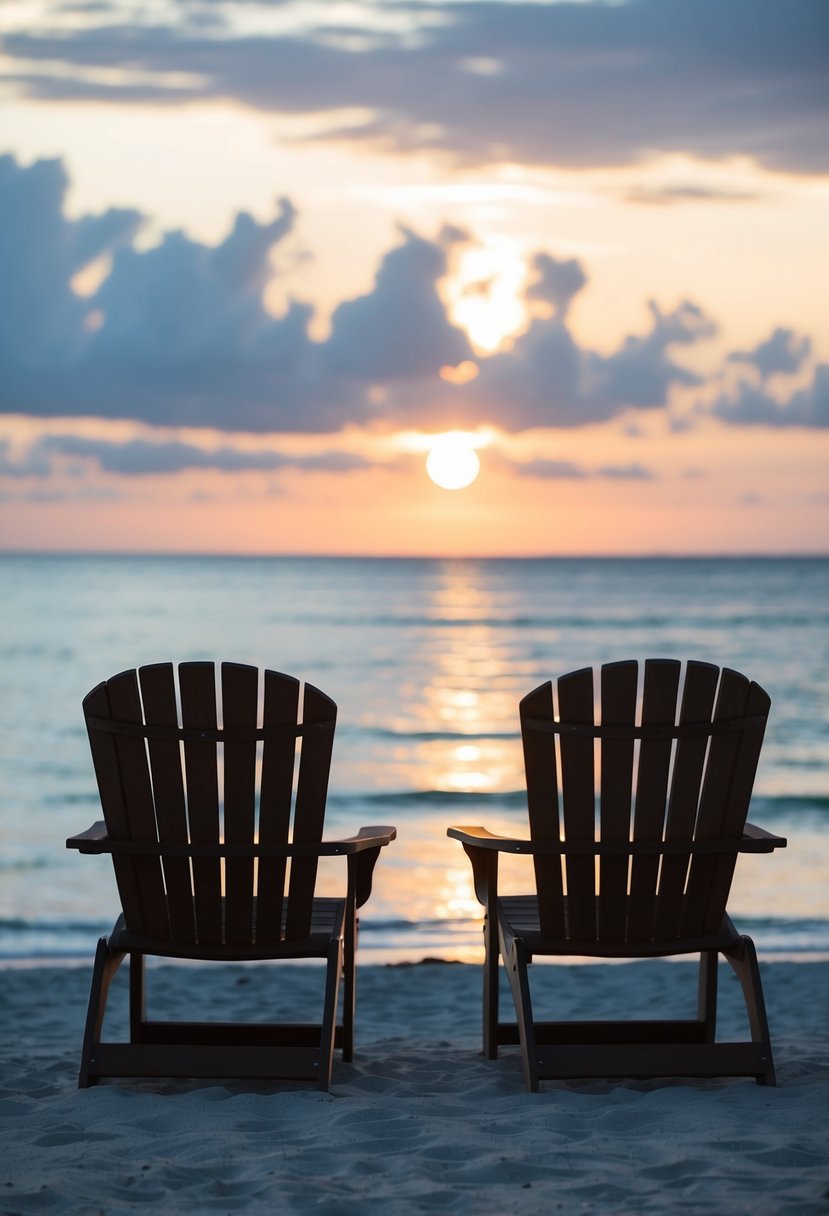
[452, 462]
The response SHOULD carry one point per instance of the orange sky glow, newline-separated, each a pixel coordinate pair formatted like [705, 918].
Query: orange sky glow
[239, 312]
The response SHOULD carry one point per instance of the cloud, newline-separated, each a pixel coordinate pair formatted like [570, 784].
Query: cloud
[34, 463]
[141, 457]
[83, 494]
[555, 470]
[400, 328]
[750, 405]
[588, 84]
[641, 372]
[552, 470]
[557, 282]
[784, 351]
[41, 319]
[626, 472]
[174, 334]
[547, 379]
[178, 335]
[668, 196]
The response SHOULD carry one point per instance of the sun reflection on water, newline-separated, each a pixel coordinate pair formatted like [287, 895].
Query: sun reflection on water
[457, 897]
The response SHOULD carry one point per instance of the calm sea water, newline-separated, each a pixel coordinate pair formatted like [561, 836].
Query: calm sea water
[427, 661]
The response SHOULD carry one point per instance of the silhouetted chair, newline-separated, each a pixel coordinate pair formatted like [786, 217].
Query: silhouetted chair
[636, 820]
[197, 818]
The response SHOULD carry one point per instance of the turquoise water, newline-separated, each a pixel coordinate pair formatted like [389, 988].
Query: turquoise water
[427, 661]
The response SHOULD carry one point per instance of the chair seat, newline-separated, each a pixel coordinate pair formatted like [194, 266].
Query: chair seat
[327, 920]
[520, 912]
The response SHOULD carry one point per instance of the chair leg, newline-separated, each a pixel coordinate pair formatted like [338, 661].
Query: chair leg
[138, 1001]
[515, 962]
[707, 993]
[743, 959]
[490, 993]
[329, 1013]
[349, 983]
[105, 966]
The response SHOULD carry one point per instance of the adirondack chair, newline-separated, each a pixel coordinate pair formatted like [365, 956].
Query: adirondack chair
[198, 821]
[635, 826]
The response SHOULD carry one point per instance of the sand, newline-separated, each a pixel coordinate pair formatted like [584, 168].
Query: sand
[419, 1122]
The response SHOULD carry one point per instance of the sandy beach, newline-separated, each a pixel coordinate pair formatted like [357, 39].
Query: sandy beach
[419, 1121]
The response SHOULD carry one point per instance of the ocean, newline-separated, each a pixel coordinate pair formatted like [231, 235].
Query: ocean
[427, 660]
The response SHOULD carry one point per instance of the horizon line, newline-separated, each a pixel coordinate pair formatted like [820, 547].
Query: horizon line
[656, 555]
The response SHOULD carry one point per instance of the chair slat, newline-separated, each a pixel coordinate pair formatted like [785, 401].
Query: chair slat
[158, 694]
[309, 813]
[697, 706]
[240, 687]
[659, 699]
[197, 683]
[575, 704]
[732, 698]
[281, 707]
[113, 804]
[746, 759]
[125, 704]
[618, 700]
[542, 805]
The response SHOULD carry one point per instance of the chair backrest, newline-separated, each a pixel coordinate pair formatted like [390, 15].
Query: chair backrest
[671, 761]
[183, 762]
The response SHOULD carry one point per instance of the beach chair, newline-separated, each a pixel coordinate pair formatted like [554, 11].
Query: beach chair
[636, 818]
[197, 807]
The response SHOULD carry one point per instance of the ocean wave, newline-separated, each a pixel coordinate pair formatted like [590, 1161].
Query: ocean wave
[19, 924]
[790, 804]
[774, 804]
[427, 736]
[418, 798]
[582, 621]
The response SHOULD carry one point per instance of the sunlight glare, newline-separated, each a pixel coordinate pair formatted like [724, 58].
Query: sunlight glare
[486, 295]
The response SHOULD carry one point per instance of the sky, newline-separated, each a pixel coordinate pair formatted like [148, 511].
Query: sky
[257, 257]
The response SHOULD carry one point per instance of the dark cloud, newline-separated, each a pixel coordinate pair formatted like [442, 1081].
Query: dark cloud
[784, 351]
[750, 405]
[571, 84]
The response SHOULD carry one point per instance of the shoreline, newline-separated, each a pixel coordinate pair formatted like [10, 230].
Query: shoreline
[411, 958]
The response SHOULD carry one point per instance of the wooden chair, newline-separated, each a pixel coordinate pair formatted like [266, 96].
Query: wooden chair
[198, 821]
[636, 820]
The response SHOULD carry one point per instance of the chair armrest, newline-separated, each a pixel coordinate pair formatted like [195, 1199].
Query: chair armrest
[94, 835]
[482, 838]
[752, 832]
[373, 837]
